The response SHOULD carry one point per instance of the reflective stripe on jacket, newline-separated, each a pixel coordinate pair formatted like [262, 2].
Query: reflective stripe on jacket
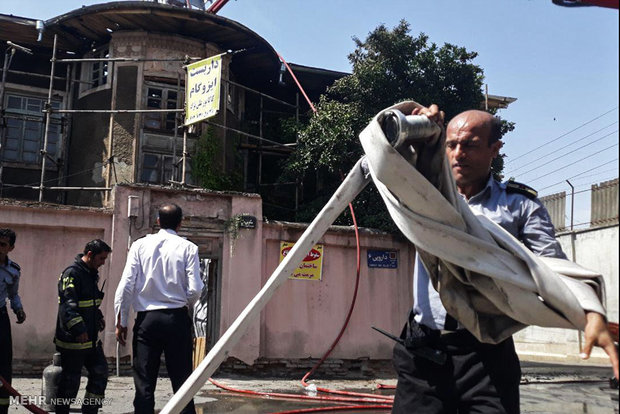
[79, 299]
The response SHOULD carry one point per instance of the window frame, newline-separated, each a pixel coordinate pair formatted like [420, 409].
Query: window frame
[24, 115]
[163, 169]
[165, 119]
[96, 76]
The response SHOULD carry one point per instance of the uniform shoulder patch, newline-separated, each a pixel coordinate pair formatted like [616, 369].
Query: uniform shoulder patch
[15, 265]
[526, 190]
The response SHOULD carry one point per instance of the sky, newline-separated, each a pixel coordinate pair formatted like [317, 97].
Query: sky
[560, 63]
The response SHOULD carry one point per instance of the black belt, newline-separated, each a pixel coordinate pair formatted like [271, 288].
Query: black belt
[166, 310]
[419, 340]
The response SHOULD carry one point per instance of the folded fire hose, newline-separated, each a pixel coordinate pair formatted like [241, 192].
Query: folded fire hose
[482, 273]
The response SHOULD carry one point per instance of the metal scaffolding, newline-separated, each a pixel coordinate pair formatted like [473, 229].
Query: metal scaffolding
[48, 111]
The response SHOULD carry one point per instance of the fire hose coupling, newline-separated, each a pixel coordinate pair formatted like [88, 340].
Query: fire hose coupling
[403, 130]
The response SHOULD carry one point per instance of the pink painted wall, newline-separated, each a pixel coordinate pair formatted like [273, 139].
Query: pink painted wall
[48, 239]
[300, 321]
[304, 317]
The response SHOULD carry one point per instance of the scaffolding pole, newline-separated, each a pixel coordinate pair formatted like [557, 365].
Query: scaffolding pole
[260, 143]
[36, 187]
[49, 111]
[184, 155]
[79, 60]
[110, 149]
[175, 167]
[48, 117]
[116, 111]
[62, 143]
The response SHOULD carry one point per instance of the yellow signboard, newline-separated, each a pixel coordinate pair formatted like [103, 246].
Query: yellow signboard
[203, 89]
[312, 265]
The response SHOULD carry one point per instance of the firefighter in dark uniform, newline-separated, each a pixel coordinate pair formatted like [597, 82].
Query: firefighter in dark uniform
[78, 323]
[9, 284]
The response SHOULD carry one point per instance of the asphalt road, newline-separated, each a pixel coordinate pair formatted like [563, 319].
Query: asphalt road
[545, 389]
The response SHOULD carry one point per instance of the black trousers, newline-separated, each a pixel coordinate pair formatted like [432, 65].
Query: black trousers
[69, 383]
[476, 378]
[168, 331]
[6, 357]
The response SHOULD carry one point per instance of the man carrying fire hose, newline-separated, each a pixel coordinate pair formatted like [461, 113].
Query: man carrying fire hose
[456, 352]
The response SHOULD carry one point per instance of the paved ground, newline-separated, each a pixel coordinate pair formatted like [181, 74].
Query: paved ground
[545, 389]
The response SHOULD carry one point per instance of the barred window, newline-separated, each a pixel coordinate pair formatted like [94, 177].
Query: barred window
[158, 169]
[99, 70]
[160, 98]
[25, 132]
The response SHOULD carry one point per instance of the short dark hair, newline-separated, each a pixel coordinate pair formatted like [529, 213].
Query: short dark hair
[9, 234]
[170, 216]
[96, 246]
[495, 130]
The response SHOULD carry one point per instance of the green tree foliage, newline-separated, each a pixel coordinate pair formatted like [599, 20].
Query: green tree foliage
[389, 66]
[206, 170]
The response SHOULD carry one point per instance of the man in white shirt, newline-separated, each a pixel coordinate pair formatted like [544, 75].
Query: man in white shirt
[161, 281]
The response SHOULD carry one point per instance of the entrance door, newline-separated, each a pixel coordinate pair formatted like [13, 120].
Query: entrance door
[206, 309]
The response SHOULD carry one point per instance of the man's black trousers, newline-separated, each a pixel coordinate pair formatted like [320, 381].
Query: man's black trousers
[6, 357]
[476, 378]
[168, 331]
[72, 362]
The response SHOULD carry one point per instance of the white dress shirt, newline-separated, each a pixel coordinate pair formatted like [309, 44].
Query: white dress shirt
[162, 272]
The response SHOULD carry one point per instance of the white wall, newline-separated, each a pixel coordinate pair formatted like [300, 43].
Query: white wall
[596, 249]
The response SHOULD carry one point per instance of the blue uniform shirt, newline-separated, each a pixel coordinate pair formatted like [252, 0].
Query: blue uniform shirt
[9, 284]
[525, 218]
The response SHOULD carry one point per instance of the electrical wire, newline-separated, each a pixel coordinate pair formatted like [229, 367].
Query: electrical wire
[570, 165]
[90, 170]
[585, 187]
[561, 136]
[614, 170]
[577, 175]
[583, 146]
[568, 153]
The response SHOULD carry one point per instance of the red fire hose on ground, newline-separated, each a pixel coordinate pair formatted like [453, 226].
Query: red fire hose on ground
[13, 392]
[365, 401]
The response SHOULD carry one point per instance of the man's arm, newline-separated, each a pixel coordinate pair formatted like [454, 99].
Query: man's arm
[16, 302]
[538, 236]
[68, 308]
[124, 292]
[596, 333]
[536, 230]
[192, 270]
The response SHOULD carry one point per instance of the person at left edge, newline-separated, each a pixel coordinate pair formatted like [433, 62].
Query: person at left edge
[78, 323]
[9, 283]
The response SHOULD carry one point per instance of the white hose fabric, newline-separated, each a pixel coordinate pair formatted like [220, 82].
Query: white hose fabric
[487, 279]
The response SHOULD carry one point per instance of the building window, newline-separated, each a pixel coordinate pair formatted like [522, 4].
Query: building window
[25, 132]
[160, 98]
[99, 70]
[158, 169]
